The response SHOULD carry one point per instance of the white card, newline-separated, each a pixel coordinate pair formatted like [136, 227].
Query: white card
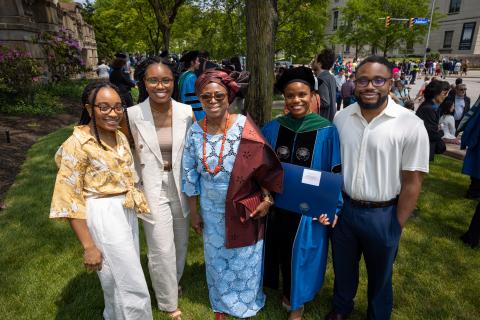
[311, 177]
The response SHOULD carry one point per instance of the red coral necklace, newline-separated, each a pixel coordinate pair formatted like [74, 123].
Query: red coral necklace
[220, 156]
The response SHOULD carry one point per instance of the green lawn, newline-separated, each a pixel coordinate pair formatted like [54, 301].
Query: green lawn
[42, 275]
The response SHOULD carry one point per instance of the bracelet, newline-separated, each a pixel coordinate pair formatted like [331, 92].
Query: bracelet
[268, 199]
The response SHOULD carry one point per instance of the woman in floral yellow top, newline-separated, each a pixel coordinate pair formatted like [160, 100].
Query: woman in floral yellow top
[95, 191]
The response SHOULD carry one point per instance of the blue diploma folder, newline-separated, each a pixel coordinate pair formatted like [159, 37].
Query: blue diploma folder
[309, 192]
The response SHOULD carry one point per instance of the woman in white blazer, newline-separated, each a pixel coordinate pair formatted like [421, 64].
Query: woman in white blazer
[158, 126]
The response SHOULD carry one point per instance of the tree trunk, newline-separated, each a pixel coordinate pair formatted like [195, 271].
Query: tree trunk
[166, 39]
[262, 22]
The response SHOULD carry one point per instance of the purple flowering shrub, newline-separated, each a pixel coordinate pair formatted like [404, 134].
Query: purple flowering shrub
[63, 55]
[18, 71]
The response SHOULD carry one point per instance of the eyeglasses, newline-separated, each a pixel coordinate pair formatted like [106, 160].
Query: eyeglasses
[154, 81]
[219, 96]
[376, 82]
[462, 89]
[106, 109]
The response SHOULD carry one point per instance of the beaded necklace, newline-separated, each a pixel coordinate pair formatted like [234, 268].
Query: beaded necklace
[220, 156]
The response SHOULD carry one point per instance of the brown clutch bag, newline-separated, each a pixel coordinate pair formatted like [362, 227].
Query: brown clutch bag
[249, 204]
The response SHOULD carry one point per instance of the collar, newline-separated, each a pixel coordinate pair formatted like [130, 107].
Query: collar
[81, 135]
[392, 110]
[84, 137]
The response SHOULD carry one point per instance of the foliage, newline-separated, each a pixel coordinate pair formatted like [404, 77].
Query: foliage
[125, 26]
[63, 54]
[18, 72]
[218, 26]
[43, 104]
[165, 13]
[300, 28]
[362, 23]
[46, 99]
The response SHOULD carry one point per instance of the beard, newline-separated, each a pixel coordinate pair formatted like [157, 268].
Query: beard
[372, 106]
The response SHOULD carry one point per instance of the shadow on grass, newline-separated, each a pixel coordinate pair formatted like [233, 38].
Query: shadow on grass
[81, 298]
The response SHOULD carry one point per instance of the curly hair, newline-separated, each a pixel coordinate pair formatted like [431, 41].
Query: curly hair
[141, 70]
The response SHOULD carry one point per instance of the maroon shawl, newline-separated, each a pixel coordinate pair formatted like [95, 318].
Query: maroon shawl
[256, 165]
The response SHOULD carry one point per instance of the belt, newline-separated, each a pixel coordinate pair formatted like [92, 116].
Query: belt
[370, 204]
[167, 166]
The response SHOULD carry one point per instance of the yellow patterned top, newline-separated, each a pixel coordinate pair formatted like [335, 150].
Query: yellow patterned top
[85, 169]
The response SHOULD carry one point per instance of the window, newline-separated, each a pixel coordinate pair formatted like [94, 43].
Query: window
[454, 6]
[467, 36]
[335, 19]
[447, 39]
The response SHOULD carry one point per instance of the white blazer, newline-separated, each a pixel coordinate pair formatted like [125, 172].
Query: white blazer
[148, 158]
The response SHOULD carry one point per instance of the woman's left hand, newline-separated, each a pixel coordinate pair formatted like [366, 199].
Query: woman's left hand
[261, 210]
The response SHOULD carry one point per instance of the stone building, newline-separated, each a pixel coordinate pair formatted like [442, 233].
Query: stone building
[457, 34]
[22, 20]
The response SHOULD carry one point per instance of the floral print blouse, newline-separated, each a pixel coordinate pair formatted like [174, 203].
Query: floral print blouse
[85, 169]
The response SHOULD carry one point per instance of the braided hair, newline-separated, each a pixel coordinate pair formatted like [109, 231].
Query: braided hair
[89, 96]
[141, 70]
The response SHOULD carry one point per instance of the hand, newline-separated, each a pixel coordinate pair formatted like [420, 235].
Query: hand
[261, 210]
[92, 259]
[323, 219]
[197, 223]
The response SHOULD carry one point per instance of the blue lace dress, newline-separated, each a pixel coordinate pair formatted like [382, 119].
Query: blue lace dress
[234, 276]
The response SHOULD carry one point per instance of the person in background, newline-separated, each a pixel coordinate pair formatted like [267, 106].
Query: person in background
[103, 70]
[121, 79]
[326, 83]
[447, 122]
[435, 93]
[462, 103]
[383, 162]
[348, 91]
[186, 83]
[399, 93]
[95, 191]
[228, 165]
[339, 81]
[205, 63]
[472, 236]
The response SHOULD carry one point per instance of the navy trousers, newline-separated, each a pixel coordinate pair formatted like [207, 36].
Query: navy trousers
[375, 233]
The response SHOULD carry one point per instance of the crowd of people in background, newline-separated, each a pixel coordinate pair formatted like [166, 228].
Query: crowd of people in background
[182, 151]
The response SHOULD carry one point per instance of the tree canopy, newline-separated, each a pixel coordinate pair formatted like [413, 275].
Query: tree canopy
[362, 23]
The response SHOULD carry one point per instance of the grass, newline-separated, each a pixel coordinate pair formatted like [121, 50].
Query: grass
[42, 275]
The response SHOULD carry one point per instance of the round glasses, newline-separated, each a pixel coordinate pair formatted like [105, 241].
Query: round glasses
[105, 108]
[154, 81]
[219, 96]
[376, 82]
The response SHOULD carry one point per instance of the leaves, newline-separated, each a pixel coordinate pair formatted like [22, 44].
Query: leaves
[362, 23]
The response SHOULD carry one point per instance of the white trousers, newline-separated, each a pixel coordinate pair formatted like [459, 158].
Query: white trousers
[115, 232]
[167, 242]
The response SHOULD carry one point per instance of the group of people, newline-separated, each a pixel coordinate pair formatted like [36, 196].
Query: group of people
[171, 163]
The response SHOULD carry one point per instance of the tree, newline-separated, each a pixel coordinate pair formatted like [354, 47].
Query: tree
[300, 27]
[117, 27]
[262, 22]
[363, 23]
[165, 13]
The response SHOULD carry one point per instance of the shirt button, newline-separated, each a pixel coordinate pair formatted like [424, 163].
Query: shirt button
[142, 165]
[141, 146]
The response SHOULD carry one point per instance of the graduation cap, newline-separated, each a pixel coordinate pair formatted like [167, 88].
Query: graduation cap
[298, 74]
[120, 55]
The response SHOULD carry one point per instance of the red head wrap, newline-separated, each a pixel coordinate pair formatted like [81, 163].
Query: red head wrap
[220, 77]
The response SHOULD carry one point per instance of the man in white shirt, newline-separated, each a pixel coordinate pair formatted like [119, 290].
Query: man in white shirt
[462, 103]
[103, 70]
[384, 157]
